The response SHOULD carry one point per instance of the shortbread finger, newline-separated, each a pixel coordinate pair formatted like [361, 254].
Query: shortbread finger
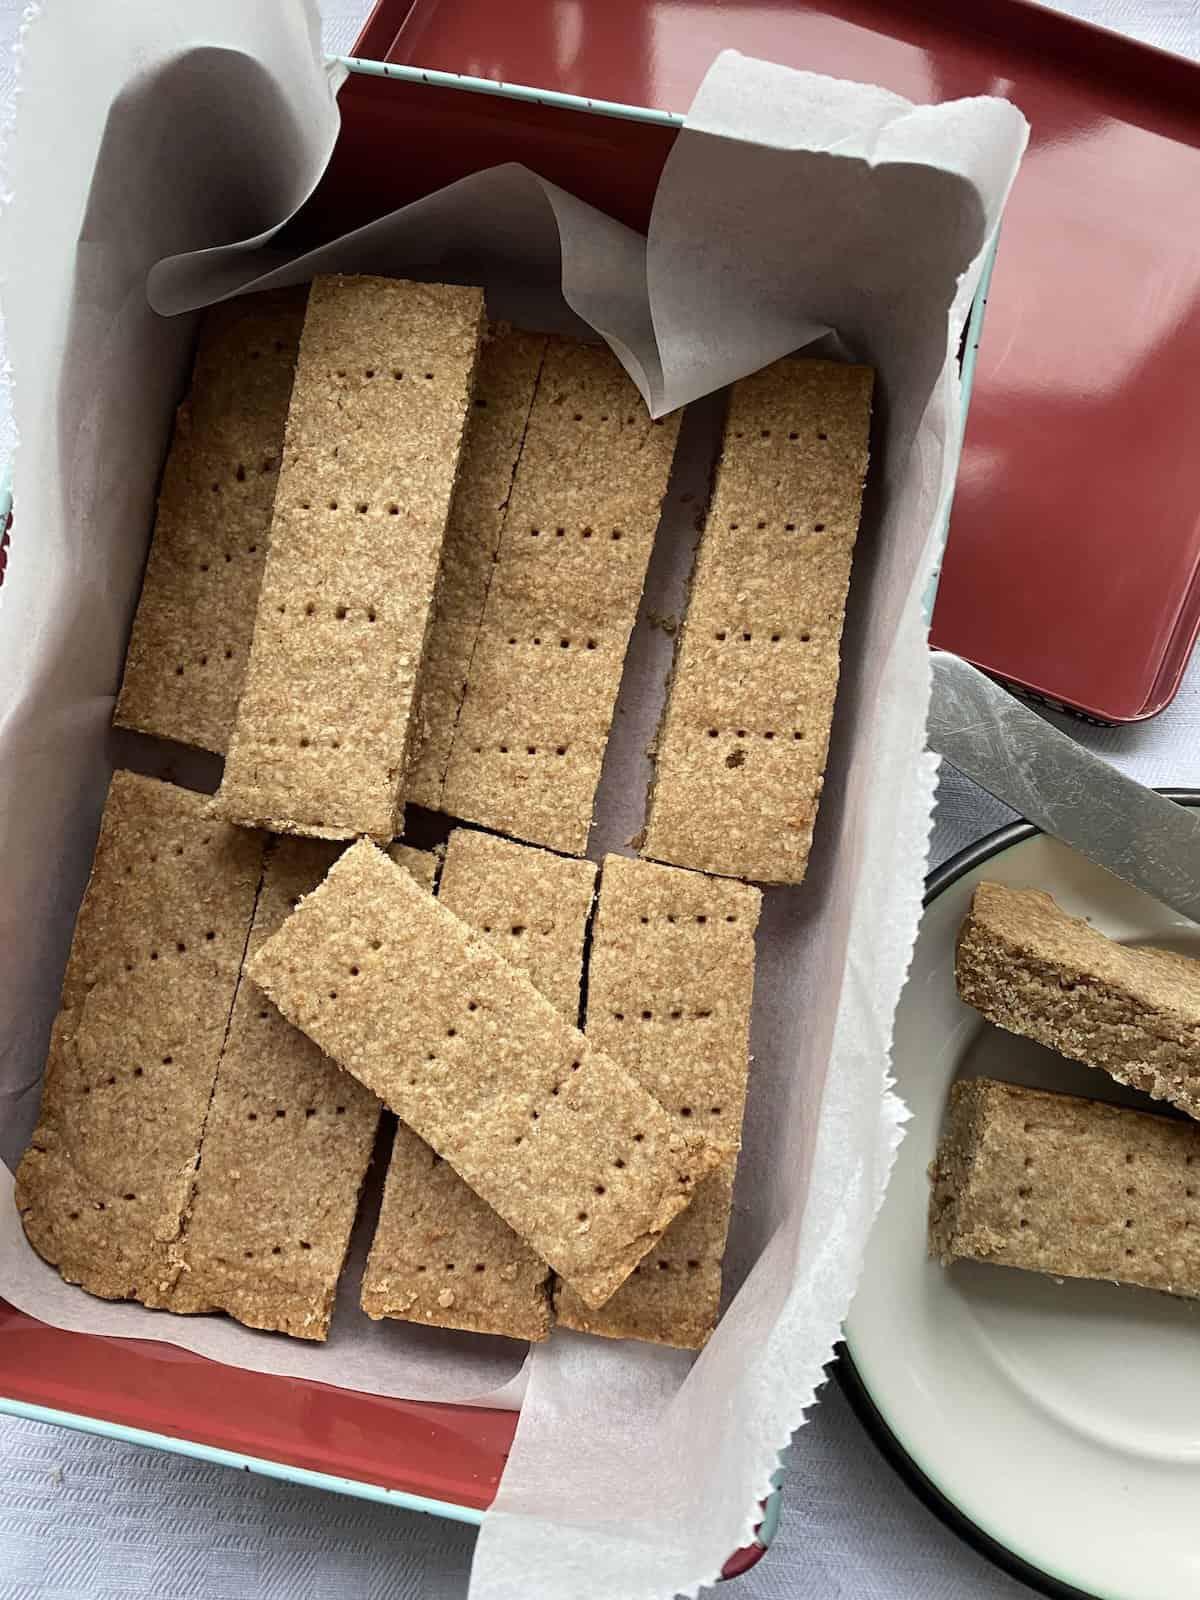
[287, 1143]
[531, 906]
[1072, 1187]
[440, 1254]
[105, 1184]
[572, 559]
[374, 433]
[286, 1146]
[509, 366]
[575, 1156]
[741, 752]
[1133, 1011]
[670, 984]
[191, 635]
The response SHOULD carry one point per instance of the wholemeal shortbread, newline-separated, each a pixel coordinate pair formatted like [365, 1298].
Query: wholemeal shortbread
[374, 432]
[104, 1187]
[1075, 1188]
[740, 755]
[286, 1145]
[670, 982]
[440, 1254]
[574, 1154]
[510, 364]
[191, 635]
[570, 565]
[1135, 1012]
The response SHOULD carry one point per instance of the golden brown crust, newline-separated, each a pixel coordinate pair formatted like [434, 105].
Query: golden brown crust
[673, 1295]
[420, 864]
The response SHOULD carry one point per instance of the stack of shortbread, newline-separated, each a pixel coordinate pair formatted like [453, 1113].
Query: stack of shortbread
[397, 561]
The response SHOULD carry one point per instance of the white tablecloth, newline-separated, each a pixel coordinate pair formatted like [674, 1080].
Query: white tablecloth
[82, 1518]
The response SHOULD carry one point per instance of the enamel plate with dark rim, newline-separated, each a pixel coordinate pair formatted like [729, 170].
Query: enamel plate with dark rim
[1055, 1424]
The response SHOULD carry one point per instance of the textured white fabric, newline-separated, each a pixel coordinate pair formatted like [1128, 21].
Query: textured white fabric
[82, 1518]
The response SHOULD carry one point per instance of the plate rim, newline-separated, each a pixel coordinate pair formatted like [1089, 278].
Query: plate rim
[844, 1369]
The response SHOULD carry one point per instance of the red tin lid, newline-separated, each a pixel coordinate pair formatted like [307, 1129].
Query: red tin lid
[454, 1453]
[1075, 540]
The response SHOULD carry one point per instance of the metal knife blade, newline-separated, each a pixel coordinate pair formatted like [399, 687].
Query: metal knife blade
[1066, 791]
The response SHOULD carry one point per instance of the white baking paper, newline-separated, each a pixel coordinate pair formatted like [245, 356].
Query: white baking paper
[159, 154]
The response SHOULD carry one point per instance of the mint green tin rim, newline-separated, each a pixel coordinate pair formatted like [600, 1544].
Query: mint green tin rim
[507, 91]
[283, 1471]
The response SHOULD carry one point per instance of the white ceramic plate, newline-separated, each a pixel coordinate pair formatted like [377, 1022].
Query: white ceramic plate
[1060, 1419]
